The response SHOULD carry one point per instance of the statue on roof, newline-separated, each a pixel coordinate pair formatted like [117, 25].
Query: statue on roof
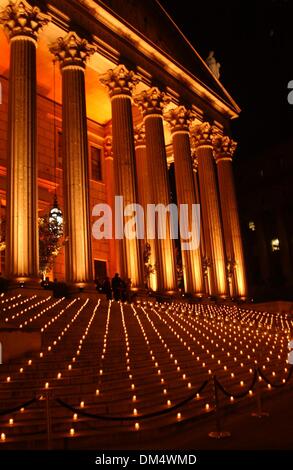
[213, 65]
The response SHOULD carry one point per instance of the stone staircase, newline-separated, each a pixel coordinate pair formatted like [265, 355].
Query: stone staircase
[125, 361]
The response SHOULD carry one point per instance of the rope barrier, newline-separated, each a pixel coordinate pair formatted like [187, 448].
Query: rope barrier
[133, 418]
[238, 395]
[275, 385]
[161, 412]
[257, 371]
[17, 408]
[62, 403]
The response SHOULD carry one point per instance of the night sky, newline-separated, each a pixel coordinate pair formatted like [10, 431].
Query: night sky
[253, 41]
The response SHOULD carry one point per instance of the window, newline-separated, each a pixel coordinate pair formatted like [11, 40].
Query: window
[275, 244]
[96, 162]
[251, 225]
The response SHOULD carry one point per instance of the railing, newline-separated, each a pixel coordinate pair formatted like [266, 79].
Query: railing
[258, 376]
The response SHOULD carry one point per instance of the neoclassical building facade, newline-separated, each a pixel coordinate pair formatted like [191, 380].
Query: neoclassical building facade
[129, 97]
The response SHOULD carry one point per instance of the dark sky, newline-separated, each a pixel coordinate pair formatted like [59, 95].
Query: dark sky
[253, 41]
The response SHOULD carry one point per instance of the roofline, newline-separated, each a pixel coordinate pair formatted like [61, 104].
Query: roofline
[108, 17]
[233, 102]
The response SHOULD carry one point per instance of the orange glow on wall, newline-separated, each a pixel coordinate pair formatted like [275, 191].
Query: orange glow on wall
[5, 53]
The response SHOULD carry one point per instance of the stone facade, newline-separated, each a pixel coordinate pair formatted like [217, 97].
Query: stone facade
[112, 90]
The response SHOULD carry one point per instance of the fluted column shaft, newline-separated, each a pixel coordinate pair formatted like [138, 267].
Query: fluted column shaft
[205, 266]
[151, 103]
[195, 182]
[22, 24]
[120, 82]
[214, 242]
[158, 173]
[144, 191]
[75, 141]
[211, 219]
[225, 209]
[143, 180]
[224, 149]
[191, 259]
[231, 224]
[22, 226]
[109, 178]
[72, 52]
[124, 164]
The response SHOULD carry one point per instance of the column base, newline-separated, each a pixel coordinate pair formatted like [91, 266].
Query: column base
[192, 296]
[199, 295]
[88, 286]
[223, 297]
[217, 298]
[27, 282]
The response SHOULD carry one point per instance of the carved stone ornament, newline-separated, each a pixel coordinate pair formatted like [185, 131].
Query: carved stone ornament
[152, 101]
[180, 118]
[224, 146]
[21, 19]
[71, 50]
[204, 134]
[119, 81]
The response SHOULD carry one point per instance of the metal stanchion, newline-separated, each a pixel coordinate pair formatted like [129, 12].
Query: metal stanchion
[218, 434]
[259, 413]
[48, 418]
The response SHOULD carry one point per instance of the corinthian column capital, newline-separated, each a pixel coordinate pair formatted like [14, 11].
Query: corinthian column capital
[224, 148]
[119, 81]
[152, 101]
[179, 119]
[19, 18]
[204, 134]
[71, 50]
[139, 136]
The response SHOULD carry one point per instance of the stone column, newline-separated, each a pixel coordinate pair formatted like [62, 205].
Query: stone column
[224, 150]
[144, 191]
[195, 176]
[22, 24]
[120, 83]
[205, 261]
[179, 120]
[109, 173]
[143, 182]
[151, 103]
[72, 53]
[203, 135]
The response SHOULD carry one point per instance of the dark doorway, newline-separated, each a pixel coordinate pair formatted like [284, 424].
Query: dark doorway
[100, 269]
